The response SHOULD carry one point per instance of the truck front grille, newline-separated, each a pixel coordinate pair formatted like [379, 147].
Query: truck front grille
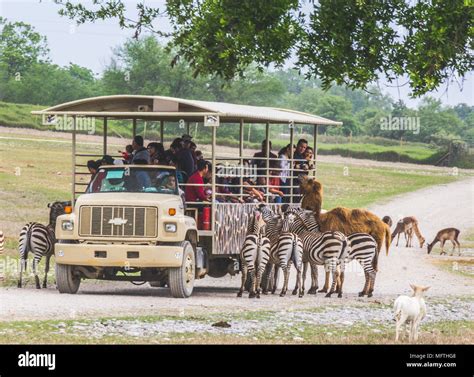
[118, 221]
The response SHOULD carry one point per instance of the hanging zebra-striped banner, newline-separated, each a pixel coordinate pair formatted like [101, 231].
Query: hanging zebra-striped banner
[231, 225]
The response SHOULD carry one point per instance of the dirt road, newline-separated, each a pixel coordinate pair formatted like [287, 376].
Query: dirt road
[435, 208]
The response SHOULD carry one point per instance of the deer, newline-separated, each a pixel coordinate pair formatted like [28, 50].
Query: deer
[447, 234]
[407, 226]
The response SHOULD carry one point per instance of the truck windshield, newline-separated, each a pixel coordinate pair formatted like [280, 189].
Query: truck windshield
[134, 179]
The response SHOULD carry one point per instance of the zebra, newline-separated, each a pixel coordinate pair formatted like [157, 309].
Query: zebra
[288, 251]
[328, 249]
[363, 248]
[254, 255]
[2, 242]
[273, 228]
[39, 239]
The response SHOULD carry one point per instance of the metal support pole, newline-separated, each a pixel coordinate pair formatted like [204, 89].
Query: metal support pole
[162, 126]
[267, 138]
[105, 136]
[241, 155]
[315, 146]
[134, 125]
[292, 165]
[73, 160]
[187, 127]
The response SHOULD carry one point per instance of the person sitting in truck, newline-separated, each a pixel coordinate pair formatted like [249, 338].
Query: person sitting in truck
[127, 155]
[195, 193]
[157, 153]
[139, 151]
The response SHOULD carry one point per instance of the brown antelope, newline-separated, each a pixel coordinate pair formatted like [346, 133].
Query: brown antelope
[407, 226]
[447, 234]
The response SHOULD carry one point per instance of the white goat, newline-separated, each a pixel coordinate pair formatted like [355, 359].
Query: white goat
[410, 310]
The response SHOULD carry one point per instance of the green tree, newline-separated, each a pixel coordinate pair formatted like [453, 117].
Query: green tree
[20, 47]
[348, 42]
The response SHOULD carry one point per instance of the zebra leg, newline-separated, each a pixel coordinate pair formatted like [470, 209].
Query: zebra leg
[333, 270]
[326, 283]
[46, 270]
[314, 279]
[35, 264]
[372, 283]
[286, 275]
[276, 270]
[252, 283]
[258, 279]
[244, 279]
[295, 291]
[23, 265]
[341, 280]
[267, 277]
[366, 285]
[299, 282]
[305, 269]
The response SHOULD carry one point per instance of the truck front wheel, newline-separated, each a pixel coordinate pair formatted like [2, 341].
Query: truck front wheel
[66, 281]
[181, 279]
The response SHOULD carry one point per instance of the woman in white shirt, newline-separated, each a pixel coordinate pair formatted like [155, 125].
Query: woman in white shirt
[284, 156]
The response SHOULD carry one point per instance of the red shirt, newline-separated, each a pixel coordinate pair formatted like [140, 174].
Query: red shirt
[195, 193]
[274, 181]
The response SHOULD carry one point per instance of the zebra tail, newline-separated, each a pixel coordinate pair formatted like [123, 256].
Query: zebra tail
[388, 239]
[24, 244]
[293, 252]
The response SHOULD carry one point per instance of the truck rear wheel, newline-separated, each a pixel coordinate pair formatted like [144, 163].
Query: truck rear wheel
[181, 279]
[66, 281]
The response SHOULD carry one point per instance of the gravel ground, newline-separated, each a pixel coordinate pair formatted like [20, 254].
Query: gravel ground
[435, 208]
[288, 320]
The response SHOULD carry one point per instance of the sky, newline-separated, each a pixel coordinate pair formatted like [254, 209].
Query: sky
[91, 45]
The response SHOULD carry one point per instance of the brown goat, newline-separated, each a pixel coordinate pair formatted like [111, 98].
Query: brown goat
[447, 234]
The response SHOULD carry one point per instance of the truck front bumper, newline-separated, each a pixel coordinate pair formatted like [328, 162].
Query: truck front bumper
[118, 255]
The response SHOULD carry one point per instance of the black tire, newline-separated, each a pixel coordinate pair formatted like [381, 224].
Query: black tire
[181, 279]
[66, 281]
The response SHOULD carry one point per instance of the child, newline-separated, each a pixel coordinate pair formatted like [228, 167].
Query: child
[128, 154]
[274, 188]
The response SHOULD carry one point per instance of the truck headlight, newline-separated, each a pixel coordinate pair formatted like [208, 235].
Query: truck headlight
[67, 225]
[170, 227]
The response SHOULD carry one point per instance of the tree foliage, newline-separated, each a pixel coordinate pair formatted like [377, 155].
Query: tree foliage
[346, 42]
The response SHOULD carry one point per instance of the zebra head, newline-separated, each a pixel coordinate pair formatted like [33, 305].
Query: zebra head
[266, 212]
[303, 219]
[288, 219]
[256, 223]
[56, 209]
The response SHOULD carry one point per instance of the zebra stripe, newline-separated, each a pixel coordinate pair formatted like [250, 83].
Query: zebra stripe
[39, 239]
[288, 251]
[2, 242]
[254, 255]
[364, 250]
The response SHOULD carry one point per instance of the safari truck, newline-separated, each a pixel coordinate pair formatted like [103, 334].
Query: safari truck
[131, 222]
